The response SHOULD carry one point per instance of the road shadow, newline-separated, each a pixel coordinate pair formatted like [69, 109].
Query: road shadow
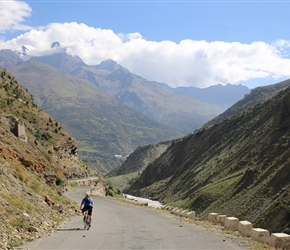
[69, 229]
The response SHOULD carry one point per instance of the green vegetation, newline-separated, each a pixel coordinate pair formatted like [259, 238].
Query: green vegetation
[112, 190]
[73, 184]
[238, 167]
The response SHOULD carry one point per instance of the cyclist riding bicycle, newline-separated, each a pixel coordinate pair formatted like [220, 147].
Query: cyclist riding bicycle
[87, 204]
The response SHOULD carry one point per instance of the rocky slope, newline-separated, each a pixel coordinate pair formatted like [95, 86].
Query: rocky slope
[238, 167]
[124, 175]
[37, 158]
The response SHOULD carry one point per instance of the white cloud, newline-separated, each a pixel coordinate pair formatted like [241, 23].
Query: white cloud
[13, 14]
[188, 63]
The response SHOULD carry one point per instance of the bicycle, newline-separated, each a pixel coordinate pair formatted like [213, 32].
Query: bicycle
[86, 221]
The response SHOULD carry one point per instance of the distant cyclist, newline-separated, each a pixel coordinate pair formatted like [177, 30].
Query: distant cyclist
[87, 205]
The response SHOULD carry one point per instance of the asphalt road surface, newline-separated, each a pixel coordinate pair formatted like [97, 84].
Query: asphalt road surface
[117, 225]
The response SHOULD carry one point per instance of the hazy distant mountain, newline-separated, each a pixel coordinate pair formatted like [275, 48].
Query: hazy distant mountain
[62, 61]
[103, 127]
[155, 100]
[256, 96]
[9, 59]
[223, 96]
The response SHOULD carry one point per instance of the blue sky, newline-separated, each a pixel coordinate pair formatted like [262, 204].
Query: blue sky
[242, 21]
[181, 43]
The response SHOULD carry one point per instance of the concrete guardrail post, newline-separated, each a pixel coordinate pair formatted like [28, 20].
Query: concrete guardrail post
[174, 210]
[245, 228]
[178, 211]
[191, 215]
[221, 218]
[232, 223]
[260, 235]
[280, 240]
[212, 217]
[183, 213]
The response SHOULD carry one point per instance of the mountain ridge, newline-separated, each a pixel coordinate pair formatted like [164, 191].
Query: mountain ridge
[155, 100]
[217, 168]
[224, 96]
[113, 128]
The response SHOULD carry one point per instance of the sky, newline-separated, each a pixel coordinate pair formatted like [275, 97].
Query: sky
[180, 43]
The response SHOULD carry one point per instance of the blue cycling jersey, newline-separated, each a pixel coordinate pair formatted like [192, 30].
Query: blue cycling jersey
[88, 202]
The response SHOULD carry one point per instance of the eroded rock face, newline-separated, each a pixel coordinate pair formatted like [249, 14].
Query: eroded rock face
[37, 158]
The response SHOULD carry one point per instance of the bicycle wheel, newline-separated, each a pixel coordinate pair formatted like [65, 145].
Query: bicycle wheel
[87, 222]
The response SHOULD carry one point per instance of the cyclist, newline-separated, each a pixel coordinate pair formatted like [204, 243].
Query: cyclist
[87, 205]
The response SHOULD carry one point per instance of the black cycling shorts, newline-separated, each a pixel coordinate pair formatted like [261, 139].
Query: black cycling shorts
[89, 208]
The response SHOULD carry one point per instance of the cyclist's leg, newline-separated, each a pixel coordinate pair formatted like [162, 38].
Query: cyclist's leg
[84, 212]
[90, 211]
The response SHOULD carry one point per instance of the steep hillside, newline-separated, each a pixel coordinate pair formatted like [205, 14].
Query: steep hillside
[103, 127]
[239, 167]
[124, 175]
[155, 100]
[37, 157]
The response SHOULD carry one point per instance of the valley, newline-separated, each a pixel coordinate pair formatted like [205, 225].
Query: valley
[234, 162]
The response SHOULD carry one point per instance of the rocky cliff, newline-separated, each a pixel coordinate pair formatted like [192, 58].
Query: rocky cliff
[37, 158]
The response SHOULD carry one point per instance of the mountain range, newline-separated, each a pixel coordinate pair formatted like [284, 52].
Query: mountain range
[109, 110]
[236, 165]
[157, 101]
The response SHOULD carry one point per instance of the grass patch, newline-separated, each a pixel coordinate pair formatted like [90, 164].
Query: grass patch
[35, 186]
[17, 203]
[19, 223]
[123, 181]
[21, 175]
[73, 184]
[14, 243]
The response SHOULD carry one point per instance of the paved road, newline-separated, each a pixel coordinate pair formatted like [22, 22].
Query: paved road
[124, 226]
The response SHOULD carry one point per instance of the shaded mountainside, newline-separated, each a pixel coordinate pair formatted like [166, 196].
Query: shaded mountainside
[239, 167]
[124, 175]
[37, 158]
[155, 100]
[103, 127]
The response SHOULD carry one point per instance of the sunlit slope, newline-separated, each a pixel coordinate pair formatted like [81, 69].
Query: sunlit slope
[102, 126]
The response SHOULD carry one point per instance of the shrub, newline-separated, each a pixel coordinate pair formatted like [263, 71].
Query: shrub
[59, 181]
